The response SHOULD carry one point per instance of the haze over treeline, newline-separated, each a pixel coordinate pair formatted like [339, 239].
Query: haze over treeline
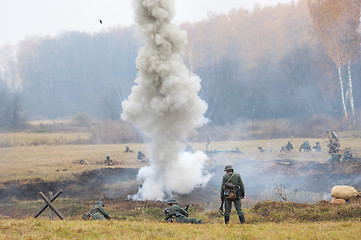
[268, 63]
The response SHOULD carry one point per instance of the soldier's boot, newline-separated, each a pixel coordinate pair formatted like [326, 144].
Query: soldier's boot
[226, 219]
[241, 219]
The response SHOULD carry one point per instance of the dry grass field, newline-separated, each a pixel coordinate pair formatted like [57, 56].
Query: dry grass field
[75, 229]
[24, 161]
[53, 156]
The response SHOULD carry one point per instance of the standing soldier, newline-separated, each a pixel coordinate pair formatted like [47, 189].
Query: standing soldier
[180, 215]
[334, 144]
[232, 190]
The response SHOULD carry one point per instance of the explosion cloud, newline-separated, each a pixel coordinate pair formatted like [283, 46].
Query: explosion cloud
[165, 104]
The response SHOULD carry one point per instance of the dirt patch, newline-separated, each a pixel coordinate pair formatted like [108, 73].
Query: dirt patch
[259, 177]
[89, 184]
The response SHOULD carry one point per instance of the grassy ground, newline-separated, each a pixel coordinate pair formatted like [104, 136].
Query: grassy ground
[42, 229]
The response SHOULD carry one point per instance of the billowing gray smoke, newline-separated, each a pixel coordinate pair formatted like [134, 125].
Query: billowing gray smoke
[165, 105]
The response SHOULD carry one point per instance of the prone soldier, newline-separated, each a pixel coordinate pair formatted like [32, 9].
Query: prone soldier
[97, 212]
[180, 215]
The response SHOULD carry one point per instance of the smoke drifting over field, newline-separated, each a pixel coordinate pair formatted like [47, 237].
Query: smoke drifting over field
[165, 105]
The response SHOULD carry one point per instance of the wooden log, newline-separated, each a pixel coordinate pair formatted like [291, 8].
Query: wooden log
[51, 213]
[46, 205]
[51, 206]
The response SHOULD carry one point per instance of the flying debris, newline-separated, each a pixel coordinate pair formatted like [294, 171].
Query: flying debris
[101, 22]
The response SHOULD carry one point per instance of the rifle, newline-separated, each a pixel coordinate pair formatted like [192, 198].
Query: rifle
[186, 208]
[221, 207]
[329, 144]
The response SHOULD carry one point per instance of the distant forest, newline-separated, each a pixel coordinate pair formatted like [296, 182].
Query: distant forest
[268, 63]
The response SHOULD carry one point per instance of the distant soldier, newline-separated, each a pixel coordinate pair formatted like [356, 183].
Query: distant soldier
[179, 214]
[260, 149]
[347, 156]
[141, 156]
[97, 212]
[317, 147]
[334, 158]
[289, 146]
[108, 161]
[334, 144]
[283, 149]
[82, 161]
[232, 190]
[127, 149]
[305, 147]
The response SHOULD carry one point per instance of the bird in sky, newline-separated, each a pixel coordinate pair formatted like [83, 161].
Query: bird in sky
[101, 22]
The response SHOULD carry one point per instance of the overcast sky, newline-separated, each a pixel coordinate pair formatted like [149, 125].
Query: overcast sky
[25, 18]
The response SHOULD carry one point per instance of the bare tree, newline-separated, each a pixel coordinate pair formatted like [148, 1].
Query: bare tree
[337, 23]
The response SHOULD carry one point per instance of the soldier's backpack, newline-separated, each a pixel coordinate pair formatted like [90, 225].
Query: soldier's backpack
[229, 191]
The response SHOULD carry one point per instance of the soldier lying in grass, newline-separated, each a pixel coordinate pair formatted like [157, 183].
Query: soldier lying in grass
[180, 215]
[97, 212]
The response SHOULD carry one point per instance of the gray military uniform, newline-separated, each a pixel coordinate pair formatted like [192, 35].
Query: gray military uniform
[181, 215]
[99, 213]
[237, 181]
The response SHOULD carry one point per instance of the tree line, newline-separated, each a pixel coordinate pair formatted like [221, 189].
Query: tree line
[272, 62]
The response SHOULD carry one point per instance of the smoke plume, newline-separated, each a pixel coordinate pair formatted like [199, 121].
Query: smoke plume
[165, 104]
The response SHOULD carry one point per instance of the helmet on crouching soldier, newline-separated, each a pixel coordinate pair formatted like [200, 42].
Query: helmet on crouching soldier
[100, 203]
[172, 201]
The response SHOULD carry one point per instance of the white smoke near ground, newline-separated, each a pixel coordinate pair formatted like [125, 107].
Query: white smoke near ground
[165, 104]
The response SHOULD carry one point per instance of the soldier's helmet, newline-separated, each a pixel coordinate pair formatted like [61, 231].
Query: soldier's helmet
[328, 130]
[100, 203]
[228, 167]
[108, 157]
[171, 201]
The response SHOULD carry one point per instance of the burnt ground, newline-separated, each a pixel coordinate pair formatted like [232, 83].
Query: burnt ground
[98, 183]
[259, 177]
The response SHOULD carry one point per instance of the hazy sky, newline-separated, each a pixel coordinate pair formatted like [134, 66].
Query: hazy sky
[24, 18]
